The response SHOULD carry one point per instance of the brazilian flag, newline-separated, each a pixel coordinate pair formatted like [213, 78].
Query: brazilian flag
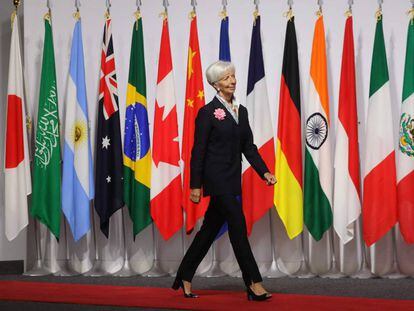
[137, 152]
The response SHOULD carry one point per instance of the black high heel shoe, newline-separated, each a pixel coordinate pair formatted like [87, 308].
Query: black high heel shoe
[178, 283]
[251, 296]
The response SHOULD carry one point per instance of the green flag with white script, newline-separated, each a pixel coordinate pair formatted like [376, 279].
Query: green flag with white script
[46, 198]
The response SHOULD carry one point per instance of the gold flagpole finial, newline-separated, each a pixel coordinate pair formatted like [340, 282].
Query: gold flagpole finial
[319, 12]
[108, 9]
[193, 11]
[378, 13]
[137, 13]
[348, 12]
[289, 13]
[256, 13]
[410, 12]
[223, 13]
[164, 14]
[76, 15]
[16, 4]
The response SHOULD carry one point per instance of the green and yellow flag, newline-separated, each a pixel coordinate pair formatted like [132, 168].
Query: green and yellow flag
[137, 152]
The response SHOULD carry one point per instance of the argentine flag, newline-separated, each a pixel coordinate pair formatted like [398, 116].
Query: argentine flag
[77, 183]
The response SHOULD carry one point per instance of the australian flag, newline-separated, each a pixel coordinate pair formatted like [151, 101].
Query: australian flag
[109, 167]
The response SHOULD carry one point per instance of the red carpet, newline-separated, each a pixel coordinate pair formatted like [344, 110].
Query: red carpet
[154, 297]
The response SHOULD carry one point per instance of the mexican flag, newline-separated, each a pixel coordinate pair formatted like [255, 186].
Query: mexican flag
[405, 154]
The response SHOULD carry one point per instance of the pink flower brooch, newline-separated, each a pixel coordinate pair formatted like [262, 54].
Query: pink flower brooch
[219, 114]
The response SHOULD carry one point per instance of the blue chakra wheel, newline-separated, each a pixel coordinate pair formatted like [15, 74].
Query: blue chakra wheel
[316, 130]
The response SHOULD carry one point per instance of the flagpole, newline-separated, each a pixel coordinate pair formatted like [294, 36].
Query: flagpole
[126, 270]
[274, 271]
[97, 269]
[38, 268]
[66, 269]
[156, 270]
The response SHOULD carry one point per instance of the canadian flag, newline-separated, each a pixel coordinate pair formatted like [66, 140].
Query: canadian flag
[166, 189]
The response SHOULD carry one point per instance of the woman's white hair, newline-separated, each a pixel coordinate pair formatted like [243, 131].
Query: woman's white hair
[217, 70]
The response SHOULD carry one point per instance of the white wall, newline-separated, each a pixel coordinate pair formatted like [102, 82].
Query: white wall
[240, 12]
[15, 250]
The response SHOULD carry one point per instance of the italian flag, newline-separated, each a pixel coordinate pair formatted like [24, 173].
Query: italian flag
[17, 178]
[405, 154]
[318, 163]
[379, 209]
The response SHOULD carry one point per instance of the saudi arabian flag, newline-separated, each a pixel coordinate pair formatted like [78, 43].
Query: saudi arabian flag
[318, 163]
[137, 153]
[46, 198]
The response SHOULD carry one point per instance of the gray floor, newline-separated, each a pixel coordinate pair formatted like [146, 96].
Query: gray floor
[372, 288]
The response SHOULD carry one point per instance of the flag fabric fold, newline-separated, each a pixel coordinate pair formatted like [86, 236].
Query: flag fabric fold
[257, 197]
[318, 164]
[77, 180]
[137, 152]
[288, 197]
[379, 209]
[109, 165]
[46, 197]
[194, 101]
[347, 189]
[17, 178]
[405, 154]
[166, 188]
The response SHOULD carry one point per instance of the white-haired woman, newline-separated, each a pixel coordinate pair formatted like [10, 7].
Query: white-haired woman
[222, 135]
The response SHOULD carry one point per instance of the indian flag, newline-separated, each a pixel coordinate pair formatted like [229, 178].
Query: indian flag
[318, 163]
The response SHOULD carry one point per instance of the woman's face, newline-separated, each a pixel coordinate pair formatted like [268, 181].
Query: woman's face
[227, 85]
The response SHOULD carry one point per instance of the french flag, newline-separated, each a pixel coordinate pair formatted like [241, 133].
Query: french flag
[257, 197]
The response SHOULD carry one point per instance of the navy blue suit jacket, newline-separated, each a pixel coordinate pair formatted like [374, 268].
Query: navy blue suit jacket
[217, 152]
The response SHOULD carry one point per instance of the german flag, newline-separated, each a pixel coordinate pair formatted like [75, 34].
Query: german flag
[288, 196]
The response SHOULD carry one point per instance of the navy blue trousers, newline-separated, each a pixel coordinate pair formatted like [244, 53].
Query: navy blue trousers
[222, 208]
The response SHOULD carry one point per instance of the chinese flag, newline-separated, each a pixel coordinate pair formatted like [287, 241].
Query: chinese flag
[194, 100]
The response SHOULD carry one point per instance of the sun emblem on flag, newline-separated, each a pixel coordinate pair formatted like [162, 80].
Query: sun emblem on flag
[79, 133]
[316, 131]
[406, 142]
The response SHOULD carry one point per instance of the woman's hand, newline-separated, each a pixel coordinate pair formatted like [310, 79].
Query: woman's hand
[270, 179]
[195, 195]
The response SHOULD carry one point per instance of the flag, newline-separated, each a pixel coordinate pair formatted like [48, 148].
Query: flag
[224, 50]
[224, 54]
[137, 152]
[347, 191]
[318, 165]
[194, 95]
[379, 209]
[257, 197]
[77, 180]
[166, 189]
[288, 196]
[46, 197]
[108, 179]
[17, 180]
[405, 154]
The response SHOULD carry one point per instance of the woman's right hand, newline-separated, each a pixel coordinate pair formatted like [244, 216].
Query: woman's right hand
[195, 195]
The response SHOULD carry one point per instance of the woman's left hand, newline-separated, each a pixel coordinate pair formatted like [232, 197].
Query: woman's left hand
[270, 179]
